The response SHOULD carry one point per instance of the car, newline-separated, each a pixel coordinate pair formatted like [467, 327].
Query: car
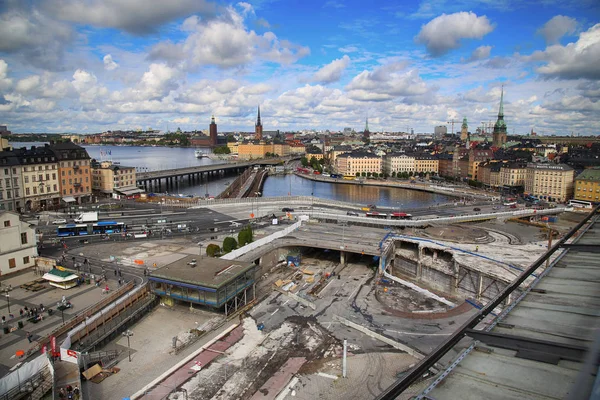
[59, 221]
[477, 209]
[352, 213]
[287, 209]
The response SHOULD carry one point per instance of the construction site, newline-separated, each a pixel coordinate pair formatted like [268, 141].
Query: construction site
[320, 312]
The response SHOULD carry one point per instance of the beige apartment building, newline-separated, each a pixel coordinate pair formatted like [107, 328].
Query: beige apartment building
[40, 186]
[109, 179]
[398, 163]
[427, 164]
[336, 151]
[512, 175]
[550, 181]
[252, 150]
[350, 164]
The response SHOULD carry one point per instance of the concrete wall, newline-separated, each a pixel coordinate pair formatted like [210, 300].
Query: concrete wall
[438, 270]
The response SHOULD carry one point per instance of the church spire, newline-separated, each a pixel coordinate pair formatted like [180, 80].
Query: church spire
[367, 125]
[501, 111]
[258, 123]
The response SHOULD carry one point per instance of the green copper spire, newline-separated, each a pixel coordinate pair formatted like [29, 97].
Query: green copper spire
[464, 124]
[501, 112]
[367, 125]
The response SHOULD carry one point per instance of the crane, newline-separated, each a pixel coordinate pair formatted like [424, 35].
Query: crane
[451, 122]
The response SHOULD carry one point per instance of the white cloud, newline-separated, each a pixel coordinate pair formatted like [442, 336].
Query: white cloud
[348, 49]
[385, 83]
[134, 16]
[86, 84]
[573, 61]
[26, 85]
[480, 53]
[5, 82]
[332, 72]
[109, 63]
[226, 43]
[444, 33]
[558, 27]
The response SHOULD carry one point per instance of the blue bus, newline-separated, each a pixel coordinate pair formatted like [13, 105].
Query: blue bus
[96, 228]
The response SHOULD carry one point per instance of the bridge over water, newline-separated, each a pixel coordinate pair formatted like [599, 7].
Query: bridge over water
[154, 180]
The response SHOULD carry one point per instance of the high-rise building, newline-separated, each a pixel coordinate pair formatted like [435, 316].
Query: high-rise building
[499, 136]
[213, 132]
[440, 130]
[464, 130]
[258, 128]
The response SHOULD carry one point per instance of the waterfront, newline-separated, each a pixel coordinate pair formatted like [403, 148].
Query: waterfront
[159, 158]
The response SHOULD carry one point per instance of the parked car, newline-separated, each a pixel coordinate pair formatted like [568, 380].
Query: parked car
[352, 213]
[477, 209]
[287, 209]
[60, 221]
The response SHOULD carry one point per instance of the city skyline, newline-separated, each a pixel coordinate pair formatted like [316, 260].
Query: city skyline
[90, 66]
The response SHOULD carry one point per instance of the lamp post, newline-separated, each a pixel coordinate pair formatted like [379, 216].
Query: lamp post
[8, 301]
[128, 334]
[62, 314]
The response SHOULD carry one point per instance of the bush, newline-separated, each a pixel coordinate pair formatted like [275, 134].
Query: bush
[229, 244]
[212, 250]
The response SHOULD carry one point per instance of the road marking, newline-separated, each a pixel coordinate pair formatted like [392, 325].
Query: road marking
[355, 290]
[274, 311]
[287, 301]
[419, 334]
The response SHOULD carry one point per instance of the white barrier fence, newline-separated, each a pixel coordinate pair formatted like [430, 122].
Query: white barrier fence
[262, 241]
[433, 221]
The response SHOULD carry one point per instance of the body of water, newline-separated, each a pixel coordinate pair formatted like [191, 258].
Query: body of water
[159, 158]
[282, 185]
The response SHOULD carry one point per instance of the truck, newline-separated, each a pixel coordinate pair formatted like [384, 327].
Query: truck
[85, 217]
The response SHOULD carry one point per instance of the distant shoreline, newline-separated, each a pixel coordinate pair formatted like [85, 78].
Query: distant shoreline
[410, 186]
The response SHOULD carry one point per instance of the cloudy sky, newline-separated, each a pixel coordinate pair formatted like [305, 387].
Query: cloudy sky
[94, 65]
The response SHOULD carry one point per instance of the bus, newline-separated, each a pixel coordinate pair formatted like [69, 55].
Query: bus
[580, 204]
[375, 214]
[349, 177]
[399, 215]
[96, 228]
[108, 227]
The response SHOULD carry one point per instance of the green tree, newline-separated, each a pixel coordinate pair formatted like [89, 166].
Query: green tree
[212, 250]
[230, 139]
[393, 174]
[304, 161]
[363, 174]
[229, 244]
[357, 174]
[369, 174]
[245, 236]
[222, 150]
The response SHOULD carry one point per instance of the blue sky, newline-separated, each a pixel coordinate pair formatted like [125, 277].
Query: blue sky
[94, 65]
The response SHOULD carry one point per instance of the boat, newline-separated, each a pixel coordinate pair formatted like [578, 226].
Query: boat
[199, 154]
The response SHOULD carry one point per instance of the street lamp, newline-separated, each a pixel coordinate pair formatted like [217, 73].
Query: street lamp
[8, 301]
[128, 334]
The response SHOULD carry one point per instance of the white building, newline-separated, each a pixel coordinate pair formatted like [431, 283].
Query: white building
[18, 243]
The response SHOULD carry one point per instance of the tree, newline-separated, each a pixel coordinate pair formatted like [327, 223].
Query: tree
[229, 244]
[222, 150]
[393, 174]
[304, 161]
[245, 236]
[212, 250]
[357, 174]
[363, 174]
[230, 139]
[369, 174]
